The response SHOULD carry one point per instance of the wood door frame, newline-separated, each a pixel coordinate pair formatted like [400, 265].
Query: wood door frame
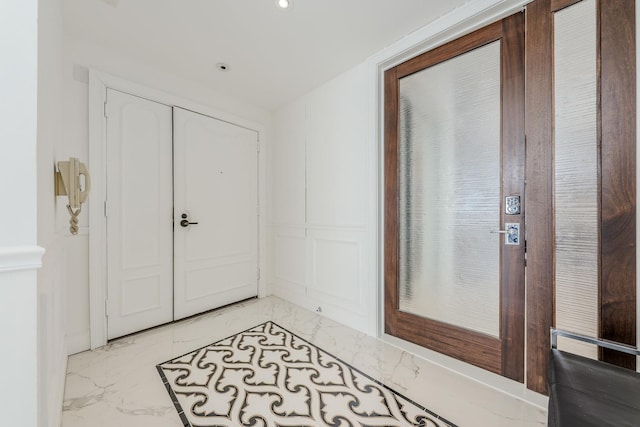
[617, 296]
[503, 355]
[617, 135]
[98, 84]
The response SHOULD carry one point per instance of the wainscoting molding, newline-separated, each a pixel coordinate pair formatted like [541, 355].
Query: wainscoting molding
[322, 268]
[290, 258]
[336, 270]
[20, 258]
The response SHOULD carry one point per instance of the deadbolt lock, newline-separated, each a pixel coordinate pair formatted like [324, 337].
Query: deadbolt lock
[512, 205]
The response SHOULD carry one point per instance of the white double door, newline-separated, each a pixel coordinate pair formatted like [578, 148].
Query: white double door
[182, 213]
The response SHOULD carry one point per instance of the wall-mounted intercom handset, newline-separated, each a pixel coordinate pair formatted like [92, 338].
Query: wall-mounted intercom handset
[73, 180]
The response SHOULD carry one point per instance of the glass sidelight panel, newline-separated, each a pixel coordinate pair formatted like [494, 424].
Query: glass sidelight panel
[576, 173]
[450, 189]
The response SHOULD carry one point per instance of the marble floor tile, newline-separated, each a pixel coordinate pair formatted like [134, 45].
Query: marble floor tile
[267, 376]
[118, 385]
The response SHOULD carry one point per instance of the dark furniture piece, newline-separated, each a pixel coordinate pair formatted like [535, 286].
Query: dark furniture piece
[585, 392]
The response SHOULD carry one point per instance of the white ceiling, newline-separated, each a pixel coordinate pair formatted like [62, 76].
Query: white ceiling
[274, 56]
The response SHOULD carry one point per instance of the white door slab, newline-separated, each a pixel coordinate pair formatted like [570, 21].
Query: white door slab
[139, 214]
[215, 185]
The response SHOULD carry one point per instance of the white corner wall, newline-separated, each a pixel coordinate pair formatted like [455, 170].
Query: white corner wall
[18, 85]
[79, 57]
[52, 351]
[320, 223]
[19, 255]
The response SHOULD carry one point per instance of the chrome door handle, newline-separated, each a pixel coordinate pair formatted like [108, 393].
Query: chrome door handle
[512, 233]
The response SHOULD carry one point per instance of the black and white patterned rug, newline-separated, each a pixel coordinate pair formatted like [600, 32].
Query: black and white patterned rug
[267, 376]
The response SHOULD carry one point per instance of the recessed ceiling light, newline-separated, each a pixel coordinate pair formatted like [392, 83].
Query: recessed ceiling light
[284, 4]
[222, 66]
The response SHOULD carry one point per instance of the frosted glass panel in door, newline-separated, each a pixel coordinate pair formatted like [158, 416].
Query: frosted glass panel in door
[449, 171]
[576, 173]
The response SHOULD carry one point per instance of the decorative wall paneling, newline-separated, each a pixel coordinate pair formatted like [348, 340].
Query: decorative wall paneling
[336, 269]
[322, 268]
[320, 233]
[290, 270]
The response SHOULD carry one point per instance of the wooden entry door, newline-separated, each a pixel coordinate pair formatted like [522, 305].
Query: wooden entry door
[454, 199]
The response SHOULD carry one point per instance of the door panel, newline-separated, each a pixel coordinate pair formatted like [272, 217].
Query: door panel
[449, 175]
[139, 229]
[216, 186]
[454, 149]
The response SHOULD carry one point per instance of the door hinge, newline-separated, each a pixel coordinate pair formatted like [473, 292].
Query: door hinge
[106, 308]
[104, 110]
[258, 275]
[105, 209]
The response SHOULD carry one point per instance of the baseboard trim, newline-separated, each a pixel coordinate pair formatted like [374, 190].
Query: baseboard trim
[57, 401]
[324, 307]
[78, 342]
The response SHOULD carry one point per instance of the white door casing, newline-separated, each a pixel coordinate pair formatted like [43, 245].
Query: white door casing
[215, 185]
[139, 214]
[99, 83]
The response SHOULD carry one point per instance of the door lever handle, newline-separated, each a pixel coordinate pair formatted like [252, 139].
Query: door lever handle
[186, 223]
[503, 231]
[512, 233]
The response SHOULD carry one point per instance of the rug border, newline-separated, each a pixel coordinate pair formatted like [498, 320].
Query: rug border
[187, 423]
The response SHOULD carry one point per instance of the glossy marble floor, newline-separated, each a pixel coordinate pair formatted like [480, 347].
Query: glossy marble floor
[118, 385]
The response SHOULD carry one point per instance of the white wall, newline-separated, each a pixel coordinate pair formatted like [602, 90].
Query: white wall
[52, 352]
[320, 224]
[79, 56]
[19, 256]
[18, 76]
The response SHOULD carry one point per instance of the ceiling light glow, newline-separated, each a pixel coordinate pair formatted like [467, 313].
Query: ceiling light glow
[283, 4]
